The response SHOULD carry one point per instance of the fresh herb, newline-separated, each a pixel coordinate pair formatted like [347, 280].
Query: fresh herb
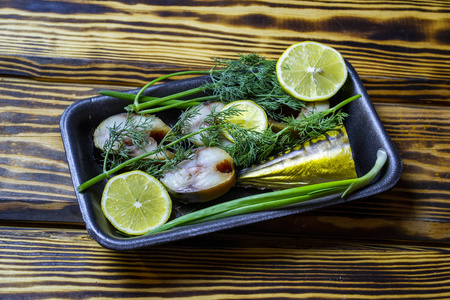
[132, 135]
[315, 124]
[250, 146]
[276, 199]
[133, 130]
[252, 77]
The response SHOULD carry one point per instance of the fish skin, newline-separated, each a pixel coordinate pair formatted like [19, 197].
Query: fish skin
[322, 159]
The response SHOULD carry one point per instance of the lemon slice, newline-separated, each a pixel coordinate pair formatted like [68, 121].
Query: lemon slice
[251, 116]
[311, 71]
[135, 202]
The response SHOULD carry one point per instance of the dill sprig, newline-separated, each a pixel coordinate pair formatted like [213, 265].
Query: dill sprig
[251, 146]
[252, 77]
[314, 124]
[131, 132]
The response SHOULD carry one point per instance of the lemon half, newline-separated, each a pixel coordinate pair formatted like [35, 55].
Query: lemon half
[250, 116]
[311, 71]
[135, 202]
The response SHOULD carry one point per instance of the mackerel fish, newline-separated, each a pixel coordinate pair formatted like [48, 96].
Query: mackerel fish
[322, 159]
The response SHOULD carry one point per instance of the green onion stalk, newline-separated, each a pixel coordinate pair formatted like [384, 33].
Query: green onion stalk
[140, 103]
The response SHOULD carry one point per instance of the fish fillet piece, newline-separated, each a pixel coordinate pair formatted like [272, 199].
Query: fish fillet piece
[322, 159]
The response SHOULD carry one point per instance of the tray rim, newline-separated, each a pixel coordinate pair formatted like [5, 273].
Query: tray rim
[382, 184]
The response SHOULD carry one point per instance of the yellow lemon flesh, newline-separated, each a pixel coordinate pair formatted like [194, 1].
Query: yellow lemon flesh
[135, 202]
[251, 116]
[311, 71]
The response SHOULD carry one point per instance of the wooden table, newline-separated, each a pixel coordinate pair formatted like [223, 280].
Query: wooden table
[393, 245]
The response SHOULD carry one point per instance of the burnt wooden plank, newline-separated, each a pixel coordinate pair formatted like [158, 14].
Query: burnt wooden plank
[397, 48]
[393, 245]
[35, 182]
[66, 263]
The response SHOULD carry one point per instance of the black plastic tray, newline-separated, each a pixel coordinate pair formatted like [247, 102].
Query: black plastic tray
[364, 128]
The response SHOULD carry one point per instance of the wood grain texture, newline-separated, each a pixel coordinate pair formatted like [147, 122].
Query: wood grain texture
[67, 264]
[35, 180]
[396, 47]
[394, 245]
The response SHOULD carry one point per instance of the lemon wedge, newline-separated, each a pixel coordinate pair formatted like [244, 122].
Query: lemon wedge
[311, 71]
[135, 202]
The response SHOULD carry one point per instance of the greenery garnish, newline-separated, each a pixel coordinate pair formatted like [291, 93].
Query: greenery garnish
[249, 77]
[252, 77]
[250, 146]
